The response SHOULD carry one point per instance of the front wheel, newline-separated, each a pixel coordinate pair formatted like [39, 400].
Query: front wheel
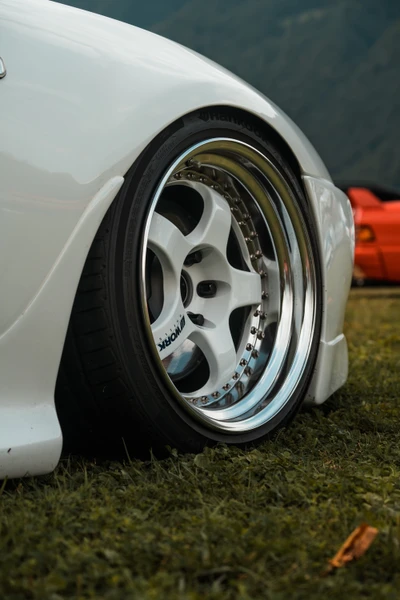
[203, 321]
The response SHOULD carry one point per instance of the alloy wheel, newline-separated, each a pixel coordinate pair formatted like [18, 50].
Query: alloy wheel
[228, 285]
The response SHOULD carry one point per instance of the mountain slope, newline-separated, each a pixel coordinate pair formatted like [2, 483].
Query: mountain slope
[334, 67]
[135, 12]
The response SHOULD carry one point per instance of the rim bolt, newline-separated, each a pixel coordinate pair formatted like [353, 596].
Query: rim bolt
[253, 330]
[234, 209]
[197, 319]
[249, 347]
[262, 274]
[257, 313]
[243, 362]
[192, 258]
[263, 316]
[177, 175]
[255, 354]
[261, 335]
[226, 386]
[201, 179]
[235, 375]
[204, 399]
[246, 217]
[264, 295]
[215, 394]
[247, 240]
[253, 234]
[207, 289]
[241, 223]
[248, 371]
[258, 254]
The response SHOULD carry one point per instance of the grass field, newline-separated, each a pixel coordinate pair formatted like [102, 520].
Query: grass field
[228, 524]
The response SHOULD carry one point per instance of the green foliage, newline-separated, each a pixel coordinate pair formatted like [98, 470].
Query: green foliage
[229, 524]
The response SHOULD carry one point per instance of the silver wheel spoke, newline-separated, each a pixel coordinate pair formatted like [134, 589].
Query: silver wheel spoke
[246, 289]
[169, 245]
[171, 328]
[215, 223]
[218, 348]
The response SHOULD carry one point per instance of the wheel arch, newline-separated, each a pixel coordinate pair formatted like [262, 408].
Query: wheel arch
[266, 130]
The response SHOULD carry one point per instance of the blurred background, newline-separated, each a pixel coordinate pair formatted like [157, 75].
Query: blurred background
[331, 65]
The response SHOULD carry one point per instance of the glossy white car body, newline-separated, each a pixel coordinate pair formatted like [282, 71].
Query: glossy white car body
[82, 97]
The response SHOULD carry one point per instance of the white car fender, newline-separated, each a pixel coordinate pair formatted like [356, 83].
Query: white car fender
[83, 96]
[30, 351]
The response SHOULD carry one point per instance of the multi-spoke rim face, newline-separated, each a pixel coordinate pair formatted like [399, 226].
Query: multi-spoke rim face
[228, 285]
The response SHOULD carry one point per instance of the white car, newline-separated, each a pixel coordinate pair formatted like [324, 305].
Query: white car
[174, 257]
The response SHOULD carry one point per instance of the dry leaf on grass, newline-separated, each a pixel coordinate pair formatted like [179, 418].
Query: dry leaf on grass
[355, 546]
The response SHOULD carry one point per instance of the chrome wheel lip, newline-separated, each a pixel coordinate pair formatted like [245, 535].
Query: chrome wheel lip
[260, 404]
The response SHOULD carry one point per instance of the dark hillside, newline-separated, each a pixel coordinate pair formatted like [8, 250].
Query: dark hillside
[334, 67]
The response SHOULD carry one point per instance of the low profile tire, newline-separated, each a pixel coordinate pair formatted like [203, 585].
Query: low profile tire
[197, 317]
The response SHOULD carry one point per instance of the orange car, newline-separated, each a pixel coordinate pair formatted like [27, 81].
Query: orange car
[376, 212]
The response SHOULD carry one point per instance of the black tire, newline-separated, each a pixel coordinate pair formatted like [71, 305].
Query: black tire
[110, 386]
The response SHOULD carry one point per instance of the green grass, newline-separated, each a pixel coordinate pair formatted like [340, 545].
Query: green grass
[227, 523]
